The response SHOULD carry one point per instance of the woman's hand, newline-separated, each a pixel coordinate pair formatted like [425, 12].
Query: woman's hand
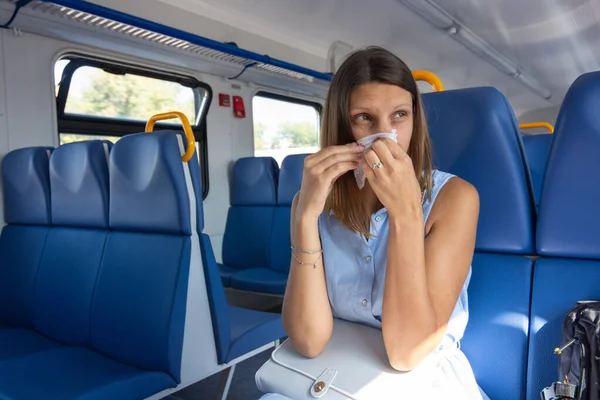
[321, 170]
[394, 183]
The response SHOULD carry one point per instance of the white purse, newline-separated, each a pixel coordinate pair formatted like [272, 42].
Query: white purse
[354, 365]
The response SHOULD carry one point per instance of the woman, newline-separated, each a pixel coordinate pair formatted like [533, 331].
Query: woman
[396, 254]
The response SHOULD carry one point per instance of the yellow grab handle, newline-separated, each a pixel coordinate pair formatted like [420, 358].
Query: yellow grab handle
[430, 78]
[531, 125]
[187, 128]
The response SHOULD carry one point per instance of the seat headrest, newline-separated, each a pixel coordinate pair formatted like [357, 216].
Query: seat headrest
[79, 184]
[26, 186]
[290, 178]
[151, 188]
[568, 218]
[475, 136]
[254, 182]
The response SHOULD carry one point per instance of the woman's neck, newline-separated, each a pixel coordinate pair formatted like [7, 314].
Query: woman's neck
[371, 202]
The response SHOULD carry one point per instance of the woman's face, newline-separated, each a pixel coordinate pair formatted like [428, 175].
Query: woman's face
[379, 107]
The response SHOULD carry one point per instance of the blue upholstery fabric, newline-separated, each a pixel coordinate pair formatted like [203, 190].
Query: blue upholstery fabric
[135, 294]
[280, 250]
[76, 373]
[217, 301]
[148, 186]
[79, 183]
[138, 311]
[108, 306]
[537, 148]
[551, 301]
[290, 178]
[495, 341]
[237, 331]
[569, 221]
[65, 284]
[248, 230]
[226, 273]
[252, 329]
[18, 342]
[26, 190]
[68, 270]
[26, 186]
[260, 280]
[247, 238]
[21, 249]
[254, 182]
[475, 136]
[567, 228]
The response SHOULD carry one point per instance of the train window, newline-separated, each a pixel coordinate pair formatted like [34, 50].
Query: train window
[284, 125]
[98, 99]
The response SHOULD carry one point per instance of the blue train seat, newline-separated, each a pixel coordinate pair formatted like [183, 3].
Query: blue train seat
[483, 148]
[26, 189]
[206, 334]
[537, 148]
[93, 294]
[470, 149]
[253, 198]
[568, 228]
[256, 244]
[272, 279]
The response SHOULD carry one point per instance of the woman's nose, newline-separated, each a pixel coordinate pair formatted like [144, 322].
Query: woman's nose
[383, 125]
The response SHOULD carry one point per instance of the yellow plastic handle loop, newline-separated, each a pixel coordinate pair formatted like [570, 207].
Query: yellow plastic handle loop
[430, 78]
[531, 125]
[187, 128]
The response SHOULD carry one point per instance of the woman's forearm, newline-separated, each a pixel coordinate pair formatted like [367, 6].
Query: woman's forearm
[307, 316]
[409, 324]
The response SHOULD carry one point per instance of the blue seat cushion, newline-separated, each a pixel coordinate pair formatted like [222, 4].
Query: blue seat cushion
[251, 330]
[247, 238]
[21, 247]
[495, 341]
[549, 306]
[19, 342]
[225, 272]
[280, 247]
[260, 280]
[77, 373]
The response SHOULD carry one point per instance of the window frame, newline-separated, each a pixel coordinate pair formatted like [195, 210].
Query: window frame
[106, 126]
[289, 99]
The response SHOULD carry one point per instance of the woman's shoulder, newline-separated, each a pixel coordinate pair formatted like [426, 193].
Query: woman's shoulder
[453, 192]
[440, 178]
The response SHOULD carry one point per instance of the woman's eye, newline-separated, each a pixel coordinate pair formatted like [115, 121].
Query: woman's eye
[400, 114]
[362, 117]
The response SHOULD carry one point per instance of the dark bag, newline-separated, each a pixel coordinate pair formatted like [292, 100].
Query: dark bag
[578, 369]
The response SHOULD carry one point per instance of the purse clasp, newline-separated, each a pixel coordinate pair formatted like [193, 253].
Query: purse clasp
[322, 383]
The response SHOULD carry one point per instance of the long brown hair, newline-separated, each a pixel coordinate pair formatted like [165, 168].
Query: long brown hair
[371, 65]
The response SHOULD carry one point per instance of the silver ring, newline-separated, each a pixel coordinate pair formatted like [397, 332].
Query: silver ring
[376, 165]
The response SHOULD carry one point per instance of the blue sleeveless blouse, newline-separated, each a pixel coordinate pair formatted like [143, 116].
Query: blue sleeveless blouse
[355, 269]
[355, 272]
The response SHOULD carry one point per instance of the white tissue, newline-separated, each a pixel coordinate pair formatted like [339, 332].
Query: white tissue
[367, 142]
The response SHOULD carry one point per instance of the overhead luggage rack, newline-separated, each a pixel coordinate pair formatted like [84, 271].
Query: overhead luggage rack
[100, 17]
